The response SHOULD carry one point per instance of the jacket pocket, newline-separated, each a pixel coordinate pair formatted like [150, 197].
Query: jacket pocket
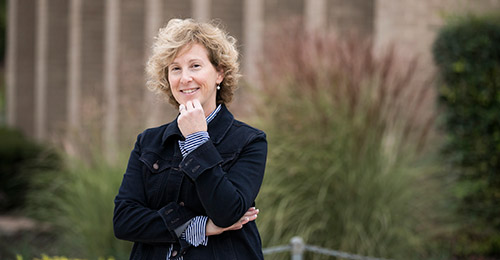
[154, 162]
[155, 172]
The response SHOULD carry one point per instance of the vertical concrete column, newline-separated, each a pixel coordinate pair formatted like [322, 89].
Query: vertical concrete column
[253, 29]
[152, 108]
[111, 78]
[41, 70]
[11, 61]
[315, 14]
[75, 65]
[92, 61]
[202, 9]
[57, 69]
[21, 80]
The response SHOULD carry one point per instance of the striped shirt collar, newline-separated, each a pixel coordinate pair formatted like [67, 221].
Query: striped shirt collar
[213, 114]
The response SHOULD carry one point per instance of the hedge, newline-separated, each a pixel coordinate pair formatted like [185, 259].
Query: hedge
[467, 53]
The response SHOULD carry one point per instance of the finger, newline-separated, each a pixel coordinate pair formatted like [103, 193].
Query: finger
[236, 227]
[251, 212]
[252, 209]
[252, 218]
[182, 108]
[244, 220]
[189, 105]
[239, 224]
[197, 104]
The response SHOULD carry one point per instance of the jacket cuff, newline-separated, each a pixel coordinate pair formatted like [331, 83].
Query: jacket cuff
[180, 230]
[192, 142]
[204, 157]
[174, 216]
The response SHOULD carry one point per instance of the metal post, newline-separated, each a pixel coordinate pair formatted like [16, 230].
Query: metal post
[298, 247]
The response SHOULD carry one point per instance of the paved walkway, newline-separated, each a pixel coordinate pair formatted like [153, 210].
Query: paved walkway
[11, 225]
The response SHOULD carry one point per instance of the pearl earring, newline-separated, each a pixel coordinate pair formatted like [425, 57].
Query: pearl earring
[218, 86]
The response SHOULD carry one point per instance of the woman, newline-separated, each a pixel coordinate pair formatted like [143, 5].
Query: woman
[190, 185]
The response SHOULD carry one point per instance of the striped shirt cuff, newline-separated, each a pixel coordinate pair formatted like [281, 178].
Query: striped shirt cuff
[195, 232]
[192, 142]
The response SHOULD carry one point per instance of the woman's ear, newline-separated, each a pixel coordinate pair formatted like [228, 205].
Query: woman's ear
[220, 75]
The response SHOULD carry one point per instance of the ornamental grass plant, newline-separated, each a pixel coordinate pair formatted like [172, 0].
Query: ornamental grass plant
[352, 147]
[77, 200]
[78, 203]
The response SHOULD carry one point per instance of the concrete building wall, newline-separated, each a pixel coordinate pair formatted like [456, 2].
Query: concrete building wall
[355, 17]
[413, 25]
[281, 10]
[75, 59]
[230, 13]
[176, 9]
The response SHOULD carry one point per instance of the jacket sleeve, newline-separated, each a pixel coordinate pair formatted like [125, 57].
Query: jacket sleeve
[133, 220]
[226, 196]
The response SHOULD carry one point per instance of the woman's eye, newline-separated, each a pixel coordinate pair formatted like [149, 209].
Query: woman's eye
[173, 69]
[196, 66]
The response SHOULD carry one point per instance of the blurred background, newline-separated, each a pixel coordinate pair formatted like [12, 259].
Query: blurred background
[382, 116]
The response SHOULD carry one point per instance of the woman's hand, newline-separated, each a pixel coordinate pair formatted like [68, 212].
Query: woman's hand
[192, 118]
[212, 229]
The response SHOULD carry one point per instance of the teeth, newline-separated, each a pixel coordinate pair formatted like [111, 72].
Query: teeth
[188, 91]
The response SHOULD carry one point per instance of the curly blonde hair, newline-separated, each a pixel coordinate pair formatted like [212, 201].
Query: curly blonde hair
[178, 33]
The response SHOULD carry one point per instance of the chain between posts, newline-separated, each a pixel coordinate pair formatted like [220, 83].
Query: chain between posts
[297, 247]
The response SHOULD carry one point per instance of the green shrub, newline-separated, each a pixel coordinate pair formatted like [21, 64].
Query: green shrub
[467, 52]
[46, 257]
[350, 163]
[78, 202]
[20, 160]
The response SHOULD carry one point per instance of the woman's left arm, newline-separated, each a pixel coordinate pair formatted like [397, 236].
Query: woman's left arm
[227, 196]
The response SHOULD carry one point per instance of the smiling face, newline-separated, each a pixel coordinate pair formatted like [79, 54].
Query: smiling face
[192, 76]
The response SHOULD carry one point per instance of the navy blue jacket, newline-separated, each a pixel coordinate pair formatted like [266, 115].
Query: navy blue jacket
[220, 179]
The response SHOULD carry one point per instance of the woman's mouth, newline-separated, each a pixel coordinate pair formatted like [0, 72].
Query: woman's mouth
[189, 91]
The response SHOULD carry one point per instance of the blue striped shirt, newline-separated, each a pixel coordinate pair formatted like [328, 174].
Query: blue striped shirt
[194, 234]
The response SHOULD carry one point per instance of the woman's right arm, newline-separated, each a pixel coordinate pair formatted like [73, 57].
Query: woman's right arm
[250, 215]
[133, 220]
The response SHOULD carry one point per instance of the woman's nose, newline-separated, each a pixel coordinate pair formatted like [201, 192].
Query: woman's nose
[186, 77]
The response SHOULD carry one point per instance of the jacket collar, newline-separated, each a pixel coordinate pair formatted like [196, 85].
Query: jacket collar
[217, 128]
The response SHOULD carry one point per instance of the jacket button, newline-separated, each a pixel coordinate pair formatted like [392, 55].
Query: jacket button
[174, 253]
[181, 203]
[155, 166]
